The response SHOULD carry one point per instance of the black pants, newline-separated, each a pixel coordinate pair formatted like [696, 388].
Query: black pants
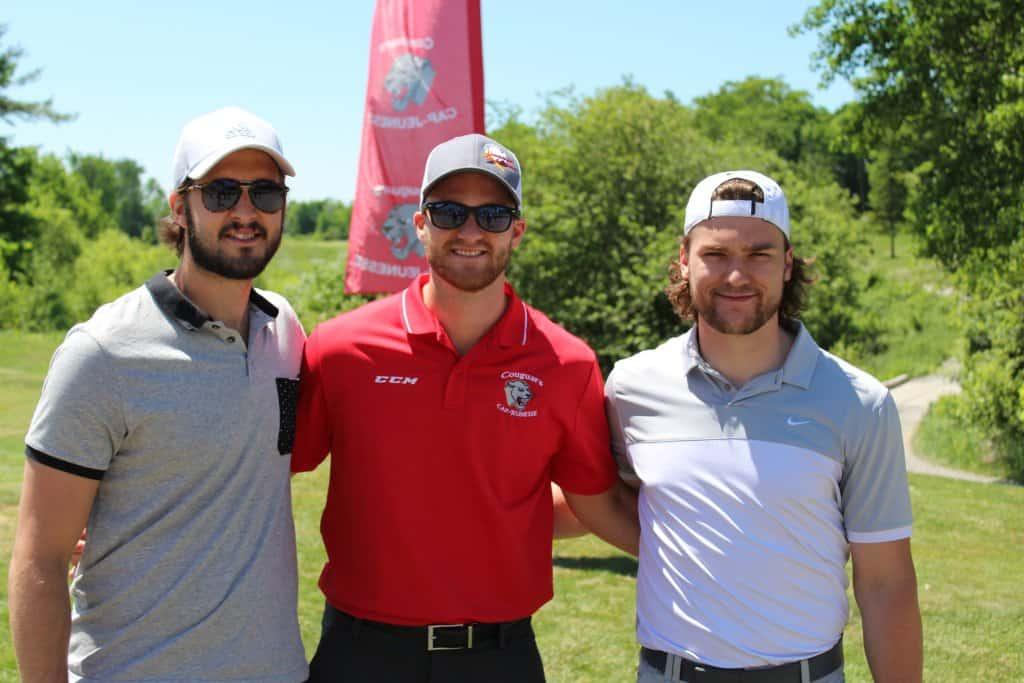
[356, 651]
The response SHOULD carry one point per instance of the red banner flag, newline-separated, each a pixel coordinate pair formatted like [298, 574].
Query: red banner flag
[426, 85]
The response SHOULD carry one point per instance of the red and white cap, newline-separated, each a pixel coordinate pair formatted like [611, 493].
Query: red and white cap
[701, 207]
[207, 139]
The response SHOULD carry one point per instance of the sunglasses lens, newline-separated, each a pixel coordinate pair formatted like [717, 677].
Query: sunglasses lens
[451, 215]
[221, 195]
[267, 196]
[447, 215]
[494, 218]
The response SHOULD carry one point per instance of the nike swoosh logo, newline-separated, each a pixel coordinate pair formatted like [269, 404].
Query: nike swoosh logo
[796, 423]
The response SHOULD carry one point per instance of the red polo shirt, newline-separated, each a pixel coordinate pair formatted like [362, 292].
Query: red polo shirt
[439, 504]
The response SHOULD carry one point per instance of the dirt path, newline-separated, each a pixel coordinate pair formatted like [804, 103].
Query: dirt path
[913, 398]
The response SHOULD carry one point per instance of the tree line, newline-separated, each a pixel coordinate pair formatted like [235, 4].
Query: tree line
[932, 144]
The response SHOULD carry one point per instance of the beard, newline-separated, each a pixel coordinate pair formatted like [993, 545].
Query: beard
[445, 265]
[246, 266]
[764, 308]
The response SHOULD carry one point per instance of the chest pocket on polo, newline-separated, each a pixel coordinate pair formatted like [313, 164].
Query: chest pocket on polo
[287, 401]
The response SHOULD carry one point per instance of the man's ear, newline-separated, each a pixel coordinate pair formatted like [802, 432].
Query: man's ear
[518, 229]
[177, 201]
[684, 262]
[419, 221]
[788, 273]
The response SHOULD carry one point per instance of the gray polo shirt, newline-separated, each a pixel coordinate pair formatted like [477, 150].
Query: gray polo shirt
[189, 573]
[750, 496]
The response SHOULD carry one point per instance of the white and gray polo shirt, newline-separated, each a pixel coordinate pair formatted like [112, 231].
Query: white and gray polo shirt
[750, 495]
[189, 573]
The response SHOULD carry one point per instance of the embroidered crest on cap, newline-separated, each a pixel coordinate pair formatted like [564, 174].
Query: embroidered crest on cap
[239, 131]
[498, 157]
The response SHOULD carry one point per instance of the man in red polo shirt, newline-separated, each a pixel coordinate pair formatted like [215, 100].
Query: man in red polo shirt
[448, 410]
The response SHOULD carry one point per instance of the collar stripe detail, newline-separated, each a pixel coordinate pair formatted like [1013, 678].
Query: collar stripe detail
[405, 312]
[173, 302]
[526, 320]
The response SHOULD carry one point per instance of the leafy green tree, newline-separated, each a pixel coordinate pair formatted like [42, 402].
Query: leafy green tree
[325, 218]
[607, 179]
[889, 190]
[320, 294]
[944, 79]
[950, 72]
[121, 190]
[301, 216]
[11, 108]
[333, 221]
[110, 265]
[17, 228]
[16, 225]
[767, 113]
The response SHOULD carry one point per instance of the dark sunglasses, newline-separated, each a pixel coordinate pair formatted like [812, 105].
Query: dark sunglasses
[451, 215]
[222, 194]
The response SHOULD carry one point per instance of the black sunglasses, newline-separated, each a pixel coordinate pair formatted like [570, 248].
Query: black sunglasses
[222, 194]
[451, 215]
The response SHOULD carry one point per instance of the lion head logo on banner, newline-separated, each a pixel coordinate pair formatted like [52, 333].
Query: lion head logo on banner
[400, 231]
[409, 80]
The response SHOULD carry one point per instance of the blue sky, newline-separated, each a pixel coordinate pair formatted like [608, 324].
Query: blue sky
[136, 72]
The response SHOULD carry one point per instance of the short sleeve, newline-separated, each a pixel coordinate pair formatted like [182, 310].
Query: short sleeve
[875, 497]
[79, 423]
[312, 435]
[584, 464]
[618, 435]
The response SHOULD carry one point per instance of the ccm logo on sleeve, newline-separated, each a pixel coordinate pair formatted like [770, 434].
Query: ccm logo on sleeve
[395, 379]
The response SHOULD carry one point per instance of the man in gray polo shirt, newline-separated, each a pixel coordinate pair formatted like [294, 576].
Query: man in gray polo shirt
[763, 462]
[166, 424]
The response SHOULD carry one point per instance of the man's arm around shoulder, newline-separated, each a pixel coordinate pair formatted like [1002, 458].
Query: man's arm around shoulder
[885, 585]
[53, 511]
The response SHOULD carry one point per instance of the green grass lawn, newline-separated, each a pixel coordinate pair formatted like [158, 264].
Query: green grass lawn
[948, 437]
[968, 545]
[23, 361]
[913, 299]
[297, 256]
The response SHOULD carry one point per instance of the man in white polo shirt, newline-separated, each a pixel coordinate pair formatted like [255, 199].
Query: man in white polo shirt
[763, 463]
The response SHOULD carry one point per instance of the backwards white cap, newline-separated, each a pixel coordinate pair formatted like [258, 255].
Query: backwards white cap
[207, 139]
[773, 209]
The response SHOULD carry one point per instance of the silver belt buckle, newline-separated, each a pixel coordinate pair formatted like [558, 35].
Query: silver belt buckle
[430, 637]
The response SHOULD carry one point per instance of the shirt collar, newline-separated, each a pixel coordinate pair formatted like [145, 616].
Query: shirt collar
[170, 299]
[797, 370]
[802, 358]
[512, 329]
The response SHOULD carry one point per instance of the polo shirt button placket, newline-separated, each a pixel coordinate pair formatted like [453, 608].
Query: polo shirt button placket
[455, 389]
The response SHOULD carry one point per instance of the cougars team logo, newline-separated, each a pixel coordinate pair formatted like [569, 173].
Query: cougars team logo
[409, 80]
[520, 388]
[400, 231]
[517, 394]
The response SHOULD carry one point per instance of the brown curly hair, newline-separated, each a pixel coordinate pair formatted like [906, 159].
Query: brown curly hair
[794, 291]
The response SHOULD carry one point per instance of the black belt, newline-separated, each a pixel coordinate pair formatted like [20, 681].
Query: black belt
[692, 672]
[445, 637]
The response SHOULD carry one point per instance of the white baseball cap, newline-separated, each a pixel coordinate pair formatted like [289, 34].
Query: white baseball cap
[773, 209]
[207, 139]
